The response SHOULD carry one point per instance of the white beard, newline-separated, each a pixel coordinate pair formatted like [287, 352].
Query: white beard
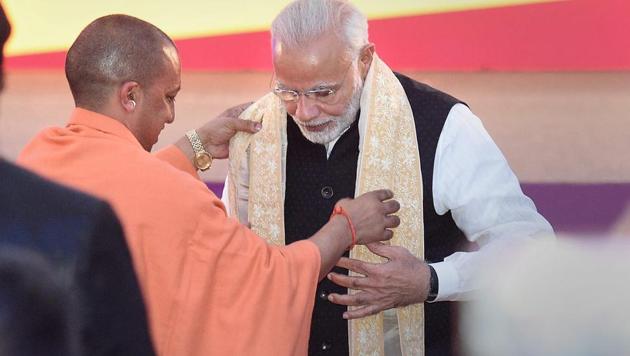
[338, 124]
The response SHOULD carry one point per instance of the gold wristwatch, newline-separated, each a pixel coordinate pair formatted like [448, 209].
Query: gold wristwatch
[202, 159]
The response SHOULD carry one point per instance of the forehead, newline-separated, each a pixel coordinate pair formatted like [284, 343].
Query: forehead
[170, 75]
[322, 60]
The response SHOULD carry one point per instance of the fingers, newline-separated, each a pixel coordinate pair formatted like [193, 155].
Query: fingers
[391, 206]
[237, 110]
[382, 250]
[245, 125]
[356, 299]
[232, 114]
[363, 311]
[352, 282]
[392, 221]
[387, 235]
[363, 300]
[384, 194]
[353, 265]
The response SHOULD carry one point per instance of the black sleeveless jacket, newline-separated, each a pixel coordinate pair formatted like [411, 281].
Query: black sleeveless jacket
[314, 184]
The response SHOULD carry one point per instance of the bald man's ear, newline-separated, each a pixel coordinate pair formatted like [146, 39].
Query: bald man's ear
[127, 95]
[365, 59]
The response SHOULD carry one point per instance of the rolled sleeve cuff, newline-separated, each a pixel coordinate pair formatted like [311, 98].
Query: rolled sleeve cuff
[448, 281]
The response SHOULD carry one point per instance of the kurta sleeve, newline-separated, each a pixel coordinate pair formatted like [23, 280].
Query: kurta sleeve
[473, 180]
[233, 280]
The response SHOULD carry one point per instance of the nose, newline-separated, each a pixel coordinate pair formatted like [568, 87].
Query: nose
[306, 109]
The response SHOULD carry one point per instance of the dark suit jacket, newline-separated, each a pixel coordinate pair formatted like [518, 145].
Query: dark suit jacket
[83, 239]
[5, 31]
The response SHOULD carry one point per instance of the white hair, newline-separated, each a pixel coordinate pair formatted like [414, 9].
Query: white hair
[303, 21]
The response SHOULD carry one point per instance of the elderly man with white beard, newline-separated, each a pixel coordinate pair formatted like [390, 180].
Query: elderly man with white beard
[338, 123]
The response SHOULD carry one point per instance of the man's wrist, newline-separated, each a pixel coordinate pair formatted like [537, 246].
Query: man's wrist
[184, 145]
[340, 211]
[202, 159]
[340, 225]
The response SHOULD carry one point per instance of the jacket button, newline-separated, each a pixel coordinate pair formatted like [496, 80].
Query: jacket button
[327, 192]
[323, 295]
[326, 346]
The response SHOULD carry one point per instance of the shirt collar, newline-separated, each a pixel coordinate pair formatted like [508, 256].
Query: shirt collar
[103, 123]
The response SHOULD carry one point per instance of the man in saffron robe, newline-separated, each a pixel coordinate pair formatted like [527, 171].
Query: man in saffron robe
[212, 286]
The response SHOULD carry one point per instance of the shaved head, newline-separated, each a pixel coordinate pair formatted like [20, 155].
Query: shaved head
[113, 50]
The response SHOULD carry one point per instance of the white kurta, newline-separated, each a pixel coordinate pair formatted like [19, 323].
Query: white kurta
[472, 179]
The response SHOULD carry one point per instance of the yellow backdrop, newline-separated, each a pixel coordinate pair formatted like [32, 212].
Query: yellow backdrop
[43, 25]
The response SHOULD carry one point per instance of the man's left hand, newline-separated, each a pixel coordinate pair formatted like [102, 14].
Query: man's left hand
[401, 281]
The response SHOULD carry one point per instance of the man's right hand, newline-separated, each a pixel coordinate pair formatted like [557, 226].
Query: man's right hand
[370, 214]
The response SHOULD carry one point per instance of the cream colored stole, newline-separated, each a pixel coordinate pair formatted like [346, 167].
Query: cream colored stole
[388, 158]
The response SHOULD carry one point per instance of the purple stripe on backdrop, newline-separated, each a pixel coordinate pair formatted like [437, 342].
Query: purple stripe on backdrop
[570, 208]
[580, 208]
[217, 188]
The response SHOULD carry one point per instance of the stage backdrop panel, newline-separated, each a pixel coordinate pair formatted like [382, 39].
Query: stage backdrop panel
[448, 35]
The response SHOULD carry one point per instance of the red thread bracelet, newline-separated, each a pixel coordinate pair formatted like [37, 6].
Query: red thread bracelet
[338, 210]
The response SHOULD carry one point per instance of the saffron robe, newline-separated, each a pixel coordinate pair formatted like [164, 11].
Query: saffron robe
[212, 287]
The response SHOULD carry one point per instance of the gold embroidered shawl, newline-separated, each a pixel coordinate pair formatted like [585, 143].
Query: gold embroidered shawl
[388, 158]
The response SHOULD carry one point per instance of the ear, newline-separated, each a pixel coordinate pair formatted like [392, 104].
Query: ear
[365, 59]
[128, 94]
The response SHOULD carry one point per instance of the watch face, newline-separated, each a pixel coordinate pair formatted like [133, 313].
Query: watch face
[203, 160]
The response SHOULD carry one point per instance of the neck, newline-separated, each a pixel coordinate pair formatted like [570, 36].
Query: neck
[111, 111]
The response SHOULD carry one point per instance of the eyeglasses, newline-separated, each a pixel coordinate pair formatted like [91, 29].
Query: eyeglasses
[323, 94]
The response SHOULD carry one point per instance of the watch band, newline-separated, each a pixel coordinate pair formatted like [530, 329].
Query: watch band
[202, 159]
[195, 141]
[434, 285]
